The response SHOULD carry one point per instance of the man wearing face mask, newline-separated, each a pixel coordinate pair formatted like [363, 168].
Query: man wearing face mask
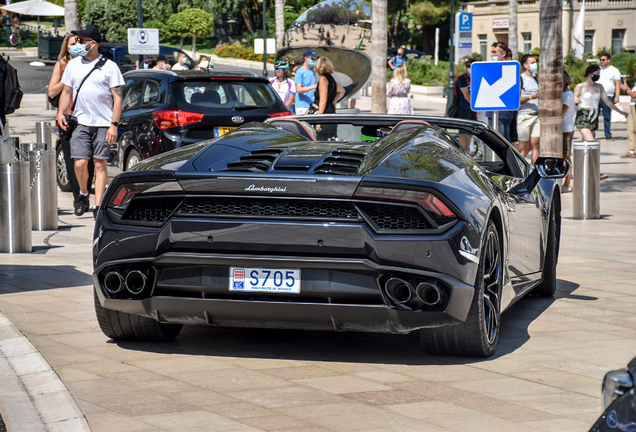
[96, 86]
[306, 83]
[498, 51]
[528, 126]
[162, 62]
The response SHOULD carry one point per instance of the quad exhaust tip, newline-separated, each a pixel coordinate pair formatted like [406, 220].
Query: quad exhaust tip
[402, 292]
[113, 282]
[136, 281]
[429, 294]
[399, 290]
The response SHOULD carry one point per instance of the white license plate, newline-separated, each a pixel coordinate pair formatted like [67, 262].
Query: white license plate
[265, 280]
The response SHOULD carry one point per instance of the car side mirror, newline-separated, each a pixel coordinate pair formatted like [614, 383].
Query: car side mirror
[553, 168]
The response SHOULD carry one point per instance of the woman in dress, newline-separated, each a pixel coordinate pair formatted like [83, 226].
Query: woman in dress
[398, 91]
[328, 92]
[55, 89]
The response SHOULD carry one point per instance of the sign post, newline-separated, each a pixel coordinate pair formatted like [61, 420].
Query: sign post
[495, 86]
[143, 41]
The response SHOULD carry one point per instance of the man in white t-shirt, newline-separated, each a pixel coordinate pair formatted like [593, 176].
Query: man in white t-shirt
[611, 81]
[180, 63]
[97, 107]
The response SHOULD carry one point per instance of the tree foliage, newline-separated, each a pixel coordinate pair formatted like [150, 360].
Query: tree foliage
[427, 14]
[95, 14]
[192, 22]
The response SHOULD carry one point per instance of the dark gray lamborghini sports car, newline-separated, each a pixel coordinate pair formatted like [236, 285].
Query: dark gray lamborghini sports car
[349, 223]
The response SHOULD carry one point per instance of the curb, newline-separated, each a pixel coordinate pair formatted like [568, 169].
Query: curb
[32, 396]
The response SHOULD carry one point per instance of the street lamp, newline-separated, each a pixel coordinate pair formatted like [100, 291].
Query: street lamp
[451, 72]
[264, 42]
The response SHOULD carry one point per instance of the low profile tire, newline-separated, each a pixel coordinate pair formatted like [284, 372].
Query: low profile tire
[127, 327]
[62, 175]
[132, 159]
[548, 285]
[479, 334]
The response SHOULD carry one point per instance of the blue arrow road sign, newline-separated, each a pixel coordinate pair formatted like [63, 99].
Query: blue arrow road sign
[495, 86]
[465, 21]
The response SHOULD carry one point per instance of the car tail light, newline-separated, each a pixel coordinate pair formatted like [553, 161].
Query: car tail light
[128, 191]
[281, 114]
[429, 202]
[169, 119]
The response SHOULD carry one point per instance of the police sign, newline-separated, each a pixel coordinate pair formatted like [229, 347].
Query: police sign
[495, 86]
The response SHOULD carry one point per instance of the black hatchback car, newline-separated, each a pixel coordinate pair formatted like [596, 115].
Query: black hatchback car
[165, 110]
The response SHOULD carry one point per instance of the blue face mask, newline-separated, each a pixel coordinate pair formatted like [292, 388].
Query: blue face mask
[494, 58]
[533, 67]
[312, 63]
[78, 50]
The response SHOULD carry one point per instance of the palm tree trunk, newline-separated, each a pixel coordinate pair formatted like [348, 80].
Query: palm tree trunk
[280, 23]
[71, 20]
[194, 47]
[378, 56]
[513, 32]
[551, 78]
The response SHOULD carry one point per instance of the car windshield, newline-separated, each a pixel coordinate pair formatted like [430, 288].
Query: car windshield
[225, 95]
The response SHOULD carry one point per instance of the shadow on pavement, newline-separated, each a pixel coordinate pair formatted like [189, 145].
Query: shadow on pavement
[347, 347]
[15, 278]
[618, 183]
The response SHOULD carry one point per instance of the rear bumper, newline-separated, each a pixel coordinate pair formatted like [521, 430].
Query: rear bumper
[337, 294]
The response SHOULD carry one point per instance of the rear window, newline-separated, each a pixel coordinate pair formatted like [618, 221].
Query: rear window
[224, 95]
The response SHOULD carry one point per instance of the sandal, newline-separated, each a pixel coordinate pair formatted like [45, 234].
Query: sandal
[604, 176]
[566, 189]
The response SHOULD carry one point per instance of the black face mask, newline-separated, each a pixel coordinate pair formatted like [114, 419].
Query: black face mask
[596, 78]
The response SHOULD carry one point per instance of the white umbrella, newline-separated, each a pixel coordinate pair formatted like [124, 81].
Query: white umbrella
[35, 8]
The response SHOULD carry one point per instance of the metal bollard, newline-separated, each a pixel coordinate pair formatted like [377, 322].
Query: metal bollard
[7, 152]
[26, 148]
[586, 201]
[15, 208]
[43, 134]
[43, 190]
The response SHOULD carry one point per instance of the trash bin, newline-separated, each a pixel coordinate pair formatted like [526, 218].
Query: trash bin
[587, 180]
[43, 190]
[15, 208]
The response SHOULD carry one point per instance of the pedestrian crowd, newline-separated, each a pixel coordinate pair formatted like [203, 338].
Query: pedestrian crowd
[597, 95]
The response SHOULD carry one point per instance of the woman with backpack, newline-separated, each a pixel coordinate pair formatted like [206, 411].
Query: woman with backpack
[55, 89]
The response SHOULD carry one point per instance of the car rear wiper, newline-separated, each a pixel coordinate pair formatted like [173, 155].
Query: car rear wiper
[248, 107]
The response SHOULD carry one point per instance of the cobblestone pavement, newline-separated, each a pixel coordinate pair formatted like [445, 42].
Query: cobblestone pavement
[545, 375]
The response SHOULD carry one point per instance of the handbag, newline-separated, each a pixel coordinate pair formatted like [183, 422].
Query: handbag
[71, 120]
[617, 117]
[313, 108]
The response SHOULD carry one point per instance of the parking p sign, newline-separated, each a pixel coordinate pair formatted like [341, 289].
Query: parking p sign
[465, 21]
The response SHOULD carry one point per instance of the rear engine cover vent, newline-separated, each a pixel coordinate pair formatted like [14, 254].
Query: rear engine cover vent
[256, 161]
[340, 162]
[281, 208]
[394, 217]
[154, 210]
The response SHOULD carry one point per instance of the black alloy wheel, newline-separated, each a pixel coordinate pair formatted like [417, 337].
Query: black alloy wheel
[551, 258]
[479, 334]
[492, 288]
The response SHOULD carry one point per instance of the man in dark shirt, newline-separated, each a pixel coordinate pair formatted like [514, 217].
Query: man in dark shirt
[464, 111]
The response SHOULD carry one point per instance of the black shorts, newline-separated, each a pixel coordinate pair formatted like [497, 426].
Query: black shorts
[466, 114]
